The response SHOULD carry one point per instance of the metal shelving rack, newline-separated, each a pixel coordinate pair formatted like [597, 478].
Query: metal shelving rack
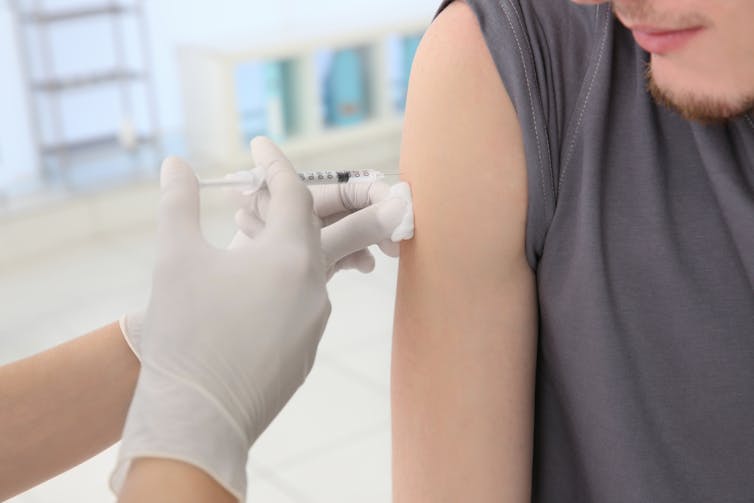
[33, 17]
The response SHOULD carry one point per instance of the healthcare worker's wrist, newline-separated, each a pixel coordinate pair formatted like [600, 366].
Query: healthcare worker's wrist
[170, 418]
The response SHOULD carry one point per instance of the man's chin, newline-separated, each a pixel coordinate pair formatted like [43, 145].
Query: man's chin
[699, 108]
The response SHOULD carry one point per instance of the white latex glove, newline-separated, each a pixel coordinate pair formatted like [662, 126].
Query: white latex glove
[229, 335]
[354, 216]
[131, 325]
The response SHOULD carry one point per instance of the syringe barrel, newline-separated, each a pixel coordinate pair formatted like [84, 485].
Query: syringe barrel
[332, 177]
[251, 181]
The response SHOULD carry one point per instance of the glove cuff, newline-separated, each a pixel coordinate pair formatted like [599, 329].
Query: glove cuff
[172, 419]
[131, 328]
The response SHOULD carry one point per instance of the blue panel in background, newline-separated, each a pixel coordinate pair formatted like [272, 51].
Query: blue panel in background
[345, 89]
[291, 115]
[250, 98]
[264, 99]
[267, 97]
[274, 81]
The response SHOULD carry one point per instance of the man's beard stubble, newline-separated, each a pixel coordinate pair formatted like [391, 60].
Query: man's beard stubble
[694, 107]
[698, 108]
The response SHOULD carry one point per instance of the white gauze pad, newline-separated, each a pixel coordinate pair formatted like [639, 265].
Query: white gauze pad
[405, 229]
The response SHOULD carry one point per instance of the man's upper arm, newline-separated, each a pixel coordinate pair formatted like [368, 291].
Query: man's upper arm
[465, 327]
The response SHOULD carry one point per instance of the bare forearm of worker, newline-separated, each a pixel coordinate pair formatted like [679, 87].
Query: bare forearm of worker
[464, 347]
[63, 406]
[158, 480]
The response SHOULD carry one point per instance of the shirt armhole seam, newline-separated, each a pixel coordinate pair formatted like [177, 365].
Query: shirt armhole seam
[548, 200]
[573, 132]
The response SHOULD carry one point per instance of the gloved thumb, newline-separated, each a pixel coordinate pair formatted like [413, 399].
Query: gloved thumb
[178, 214]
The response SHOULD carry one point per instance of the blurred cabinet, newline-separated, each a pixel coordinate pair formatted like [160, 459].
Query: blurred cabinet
[266, 99]
[330, 102]
[346, 89]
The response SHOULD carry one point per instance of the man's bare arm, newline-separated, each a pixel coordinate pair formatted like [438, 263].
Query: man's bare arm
[466, 319]
[63, 406]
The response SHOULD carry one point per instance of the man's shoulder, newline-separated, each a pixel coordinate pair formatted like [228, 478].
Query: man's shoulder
[556, 20]
[546, 54]
[545, 45]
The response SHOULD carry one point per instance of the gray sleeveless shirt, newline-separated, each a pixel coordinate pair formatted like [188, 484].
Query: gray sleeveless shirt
[641, 232]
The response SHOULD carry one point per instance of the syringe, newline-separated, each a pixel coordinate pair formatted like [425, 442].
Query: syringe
[251, 181]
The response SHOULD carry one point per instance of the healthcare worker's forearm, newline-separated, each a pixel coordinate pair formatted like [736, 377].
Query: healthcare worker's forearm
[159, 480]
[63, 406]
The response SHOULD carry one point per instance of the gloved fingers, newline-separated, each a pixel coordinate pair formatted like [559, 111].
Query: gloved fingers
[249, 223]
[290, 206]
[257, 203]
[240, 240]
[390, 248]
[362, 261]
[178, 214]
[331, 219]
[236, 198]
[346, 197]
[361, 229]
[331, 202]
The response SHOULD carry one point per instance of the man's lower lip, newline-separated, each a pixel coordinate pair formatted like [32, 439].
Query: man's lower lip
[664, 42]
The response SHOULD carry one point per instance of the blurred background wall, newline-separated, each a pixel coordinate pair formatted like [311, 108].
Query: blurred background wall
[96, 92]
[83, 47]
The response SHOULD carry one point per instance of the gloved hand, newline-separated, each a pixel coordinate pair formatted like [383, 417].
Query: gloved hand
[229, 335]
[353, 216]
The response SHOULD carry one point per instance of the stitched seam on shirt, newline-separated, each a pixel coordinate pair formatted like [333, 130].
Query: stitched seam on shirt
[531, 103]
[576, 131]
[547, 142]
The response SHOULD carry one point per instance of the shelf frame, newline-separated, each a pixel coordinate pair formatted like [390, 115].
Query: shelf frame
[62, 15]
[35, 20]
[113, 76]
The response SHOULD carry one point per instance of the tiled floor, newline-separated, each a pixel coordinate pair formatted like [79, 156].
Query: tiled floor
[332, 442]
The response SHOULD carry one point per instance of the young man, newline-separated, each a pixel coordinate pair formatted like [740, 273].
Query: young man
[575, 318]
